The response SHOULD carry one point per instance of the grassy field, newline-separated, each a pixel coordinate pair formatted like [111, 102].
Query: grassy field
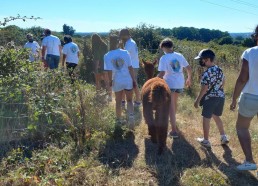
[129, 158]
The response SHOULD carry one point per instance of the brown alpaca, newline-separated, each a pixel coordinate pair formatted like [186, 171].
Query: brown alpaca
[156, 97]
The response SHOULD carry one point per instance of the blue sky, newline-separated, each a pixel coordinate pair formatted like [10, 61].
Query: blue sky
[103, 15]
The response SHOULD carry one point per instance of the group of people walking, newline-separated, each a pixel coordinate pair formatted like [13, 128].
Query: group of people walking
[121, 64]
[51, 50]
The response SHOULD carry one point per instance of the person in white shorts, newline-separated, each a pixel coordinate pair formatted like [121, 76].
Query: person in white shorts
[171, 66]
[33, 46]
[131, 46]
[247, 86]
[119, 66]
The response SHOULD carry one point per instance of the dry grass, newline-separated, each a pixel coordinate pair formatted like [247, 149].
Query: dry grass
[184, 162]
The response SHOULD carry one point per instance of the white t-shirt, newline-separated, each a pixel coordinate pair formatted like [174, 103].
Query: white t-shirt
[118, 61]
[34, 46]
[71, 51]
[251, 55]
[52, 43]
[132, 48]
[173, 64]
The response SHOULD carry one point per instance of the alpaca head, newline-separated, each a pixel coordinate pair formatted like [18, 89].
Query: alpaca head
[149, 68]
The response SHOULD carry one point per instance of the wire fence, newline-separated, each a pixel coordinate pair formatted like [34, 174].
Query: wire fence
[13, 120]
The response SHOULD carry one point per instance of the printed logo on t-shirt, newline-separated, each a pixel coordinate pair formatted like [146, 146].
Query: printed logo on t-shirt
[73, 49]
[118, 63]
[175, 65]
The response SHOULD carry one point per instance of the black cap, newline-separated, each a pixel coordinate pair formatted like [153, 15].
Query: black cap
[205, 53]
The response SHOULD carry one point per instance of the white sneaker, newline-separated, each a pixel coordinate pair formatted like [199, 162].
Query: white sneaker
[204, 142]
[224, 140]
[247, 166]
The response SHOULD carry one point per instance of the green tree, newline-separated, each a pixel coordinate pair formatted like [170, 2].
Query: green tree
[248, 42]
[68, 30]
[225, 40]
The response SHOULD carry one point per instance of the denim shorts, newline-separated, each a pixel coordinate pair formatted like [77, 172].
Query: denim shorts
[52, 61]
[248, 105]
[177, 90]
[212, 106]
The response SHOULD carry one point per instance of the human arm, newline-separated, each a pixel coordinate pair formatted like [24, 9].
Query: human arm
[161, 74]
[189, 76]
[43, 53]
[110, 77]
[64, 58]
[240, 83]
[202, 92]
[132, 75]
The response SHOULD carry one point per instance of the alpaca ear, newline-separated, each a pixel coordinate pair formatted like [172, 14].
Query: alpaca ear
[144, 62]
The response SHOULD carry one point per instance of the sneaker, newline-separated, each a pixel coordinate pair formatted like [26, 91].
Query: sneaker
[247, 166]
[224, 140]
[173, 135]
[137, 104]
[204, 142]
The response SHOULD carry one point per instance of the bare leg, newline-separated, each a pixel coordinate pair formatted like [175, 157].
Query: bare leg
[118, 96]
[129, 99]
[206, 128]
[107, 84]
[123, 95]
[97, 80]
[172, 111]
[137, 93]
[242, 127]
[136, 88]
[219, 124]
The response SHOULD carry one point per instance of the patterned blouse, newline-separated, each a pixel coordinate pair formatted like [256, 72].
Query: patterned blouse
[213, 77]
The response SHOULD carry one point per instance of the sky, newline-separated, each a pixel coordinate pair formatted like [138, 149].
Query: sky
[103, 15]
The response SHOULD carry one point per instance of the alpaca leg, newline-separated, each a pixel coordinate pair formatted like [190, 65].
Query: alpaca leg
[148, 116]
[162, 127]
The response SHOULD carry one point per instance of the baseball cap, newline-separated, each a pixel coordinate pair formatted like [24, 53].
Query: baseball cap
[205, 53]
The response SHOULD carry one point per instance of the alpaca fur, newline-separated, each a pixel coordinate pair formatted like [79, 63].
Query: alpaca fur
[156, 97]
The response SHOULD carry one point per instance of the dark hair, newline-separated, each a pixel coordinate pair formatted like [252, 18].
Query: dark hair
[124, 32]
[113, 42]
[47, 32]
[67, 39]
[166, 43]
[255, 34]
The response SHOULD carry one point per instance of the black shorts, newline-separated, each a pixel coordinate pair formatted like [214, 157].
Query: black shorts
[71, 65]
[213, 106]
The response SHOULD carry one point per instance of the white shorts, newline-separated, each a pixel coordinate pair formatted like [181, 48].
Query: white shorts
[248, 105]
[122, 85]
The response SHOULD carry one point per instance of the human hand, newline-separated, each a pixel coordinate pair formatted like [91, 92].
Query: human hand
[233, 105]
[188, 82]
[196, 104]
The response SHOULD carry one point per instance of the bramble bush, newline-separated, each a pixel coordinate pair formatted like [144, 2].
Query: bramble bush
[54, 109]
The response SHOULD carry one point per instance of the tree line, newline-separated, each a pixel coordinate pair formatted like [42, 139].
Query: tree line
[147, 36]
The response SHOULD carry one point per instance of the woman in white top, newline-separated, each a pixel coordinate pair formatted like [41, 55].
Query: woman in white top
[247, 86]
[70, 54]
[170, 68]
[119, 66]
